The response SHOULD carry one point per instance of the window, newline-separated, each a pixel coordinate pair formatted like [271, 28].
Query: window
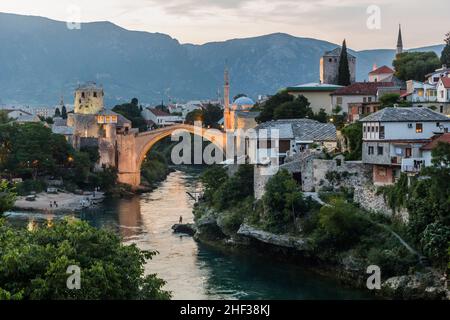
[381, 171]
[82, 94]
[408, 152]
[370, 151]
[419, 128]
[330, 60]
[339, 100]
[437, 124]
[376, 129]
[409, 125]
[369, 99]
[364, 99]
[364, 128]
[380, 151]
[441, 109]
[95, 94]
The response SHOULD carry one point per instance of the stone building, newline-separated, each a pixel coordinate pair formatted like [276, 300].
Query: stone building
[88, 99]
[92, 125]
[329, 66]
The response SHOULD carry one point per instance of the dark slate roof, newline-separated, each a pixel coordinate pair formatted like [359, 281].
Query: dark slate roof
[247, 114]
[301, 129]
[412, 114]
[337, 53]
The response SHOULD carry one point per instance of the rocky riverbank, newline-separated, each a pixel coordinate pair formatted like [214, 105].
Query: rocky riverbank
[348, 269]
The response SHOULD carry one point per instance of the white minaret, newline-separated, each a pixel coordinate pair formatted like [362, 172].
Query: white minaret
[399, 40]
[226, 100]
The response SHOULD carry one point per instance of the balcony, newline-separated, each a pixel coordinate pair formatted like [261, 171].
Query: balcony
[412, 165]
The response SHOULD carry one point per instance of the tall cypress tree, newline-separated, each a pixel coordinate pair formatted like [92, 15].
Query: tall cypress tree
[445, 56]
[64, 112]
[343, 71]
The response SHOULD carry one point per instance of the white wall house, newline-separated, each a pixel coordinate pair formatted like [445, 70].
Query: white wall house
[393, 138]
[417, 91]
[443, 90]
[159, 117]
[381, 74]
[433, 77]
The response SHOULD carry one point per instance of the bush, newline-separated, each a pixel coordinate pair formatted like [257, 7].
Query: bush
[26, 187]
[434, 241]
[33, 264]
[343, 224]
[392, 261]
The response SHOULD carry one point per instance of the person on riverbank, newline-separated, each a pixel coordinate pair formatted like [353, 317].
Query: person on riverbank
[181, 220]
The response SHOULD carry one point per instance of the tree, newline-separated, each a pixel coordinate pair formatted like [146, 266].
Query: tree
[34, 264]
[353, 134]
[132, 112]
[64, 112]
[267, 108]
[193, 116]
[212, 179]
[341, 223]
[391, 99]
[415, 65]
[445, 55]
[7, 197]
[343, 71]
[441, 155]
[57, 112]
[321, 116]
[296, 109]
[4, 118]
[283, 201]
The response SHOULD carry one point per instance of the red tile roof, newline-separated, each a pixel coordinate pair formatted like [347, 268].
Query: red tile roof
[159, 112]
[435, 140]
[446, 82]
[381, 70]
[362, 88]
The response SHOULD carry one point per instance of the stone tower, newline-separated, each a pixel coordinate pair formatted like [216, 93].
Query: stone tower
[329, 66]
[88, 99]
[226, 101]
[399, 40]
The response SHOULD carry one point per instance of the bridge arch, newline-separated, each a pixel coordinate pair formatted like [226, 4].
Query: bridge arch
[133, 148]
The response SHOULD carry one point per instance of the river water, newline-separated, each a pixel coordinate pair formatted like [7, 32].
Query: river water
[191, 270]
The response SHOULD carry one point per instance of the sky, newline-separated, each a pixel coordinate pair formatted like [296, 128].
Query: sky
[365, 24]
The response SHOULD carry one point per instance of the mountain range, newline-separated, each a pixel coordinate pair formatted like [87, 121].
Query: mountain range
[42, 60]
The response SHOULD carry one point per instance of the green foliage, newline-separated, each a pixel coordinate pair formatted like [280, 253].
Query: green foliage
[415, 65]
[321, 116]
[92, 152]
[341, 224]
[353, 135]
[4, 117]
[343, 69]
[132, 112]
[434, 242]
[283, 201]
[209, 116]
[27, 186]
[235, 188]
[296, 109]
[57, 112]
[391, 99]
[267, 109]
[445, 55]
[396, 195]
[7, 197]
[212, 178]
[155, 168]
[64, 112]
[33, 264]
[441, 155]
[239, 95]
[30, 149]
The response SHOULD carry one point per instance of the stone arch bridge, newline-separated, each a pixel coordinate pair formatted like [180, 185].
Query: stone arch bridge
[132, 148]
